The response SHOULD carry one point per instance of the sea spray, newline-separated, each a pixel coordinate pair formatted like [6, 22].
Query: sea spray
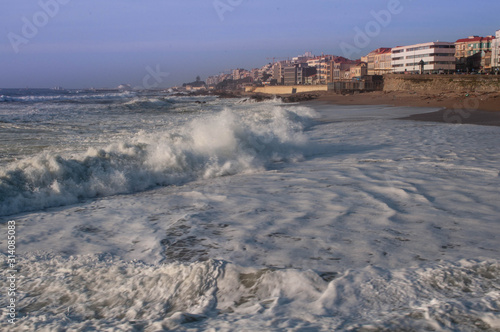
[220, 144]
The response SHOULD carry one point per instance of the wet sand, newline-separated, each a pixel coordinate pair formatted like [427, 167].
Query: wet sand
[478, 117]
[472, 108]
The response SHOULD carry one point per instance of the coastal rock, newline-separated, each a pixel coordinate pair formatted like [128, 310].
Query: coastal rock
[299, 97]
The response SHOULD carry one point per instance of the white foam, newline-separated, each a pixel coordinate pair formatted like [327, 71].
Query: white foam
[97, 292]
[216, 145]
[364, 224]
[68, 97]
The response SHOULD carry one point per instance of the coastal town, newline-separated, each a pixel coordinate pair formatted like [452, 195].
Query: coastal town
[469, 55]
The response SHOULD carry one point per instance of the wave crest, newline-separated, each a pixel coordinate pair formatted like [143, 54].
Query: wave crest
[226, 143]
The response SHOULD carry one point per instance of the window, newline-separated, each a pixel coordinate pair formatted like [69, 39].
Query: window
[417, 48]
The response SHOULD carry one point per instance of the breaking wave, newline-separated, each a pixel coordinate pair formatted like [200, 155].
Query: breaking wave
[148, 102]
[86, 97]
[104, 292]
[222, 144]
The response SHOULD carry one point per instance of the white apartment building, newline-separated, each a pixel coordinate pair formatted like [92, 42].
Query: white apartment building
[495, 52]
[436, 57]
[320, 63]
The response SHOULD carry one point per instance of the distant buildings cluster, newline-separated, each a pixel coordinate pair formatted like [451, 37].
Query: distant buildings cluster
[468, 55]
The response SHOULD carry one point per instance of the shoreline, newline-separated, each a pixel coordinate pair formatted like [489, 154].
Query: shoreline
[450, 100]
[458, 108]
[480, 108]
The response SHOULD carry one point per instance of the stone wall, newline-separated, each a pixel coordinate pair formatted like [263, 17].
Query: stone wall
[285, 89]
[441, 83]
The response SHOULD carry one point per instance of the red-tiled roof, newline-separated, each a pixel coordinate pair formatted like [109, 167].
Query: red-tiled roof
[341, 59]
[475, 39]
[381, 50]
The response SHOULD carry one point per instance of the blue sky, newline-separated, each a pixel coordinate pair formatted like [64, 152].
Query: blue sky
[104, 43]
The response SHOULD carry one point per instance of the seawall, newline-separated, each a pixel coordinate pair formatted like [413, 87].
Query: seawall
[441, 83]
[285, 89]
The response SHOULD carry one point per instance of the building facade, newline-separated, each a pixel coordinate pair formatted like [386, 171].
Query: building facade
[495, 52]
[339, 68]
[425, 58]
[359, 70]
[472, 53]
[321, 65]
[238, 74]
[379, 62]
[298, 74]
[279, 71]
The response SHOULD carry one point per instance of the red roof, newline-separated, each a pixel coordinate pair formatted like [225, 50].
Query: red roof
[382, 50]
[341, 59]
[475, 39]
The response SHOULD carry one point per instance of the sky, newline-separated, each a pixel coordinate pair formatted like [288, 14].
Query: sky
[163, 43]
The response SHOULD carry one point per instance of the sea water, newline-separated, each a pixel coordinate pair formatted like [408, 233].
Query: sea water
[148, 211]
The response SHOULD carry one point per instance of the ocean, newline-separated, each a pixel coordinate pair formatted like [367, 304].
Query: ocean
[147, 211]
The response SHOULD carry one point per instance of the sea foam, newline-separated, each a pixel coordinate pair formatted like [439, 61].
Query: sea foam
[221, 144]
[220, 295]
[68, 97]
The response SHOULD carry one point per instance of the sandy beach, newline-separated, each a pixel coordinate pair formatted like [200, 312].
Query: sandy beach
[466, 108]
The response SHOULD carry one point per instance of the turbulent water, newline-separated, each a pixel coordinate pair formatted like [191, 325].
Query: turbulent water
[146, 211]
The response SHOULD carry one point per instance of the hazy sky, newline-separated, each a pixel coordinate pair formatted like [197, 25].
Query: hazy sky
[104, 43]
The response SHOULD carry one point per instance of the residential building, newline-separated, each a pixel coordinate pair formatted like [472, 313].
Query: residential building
[339, 68]
[296, 74]
[471, 52]
[254, 74]
[321, 65]
[212, 80]
[486, 59]
[278, 71]
[359, 70]
[495, 52]
[302, 58]
[236, 74]
[266, 72]
[379, 62]
[425, 58]
[239, 74]
[290, 75]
